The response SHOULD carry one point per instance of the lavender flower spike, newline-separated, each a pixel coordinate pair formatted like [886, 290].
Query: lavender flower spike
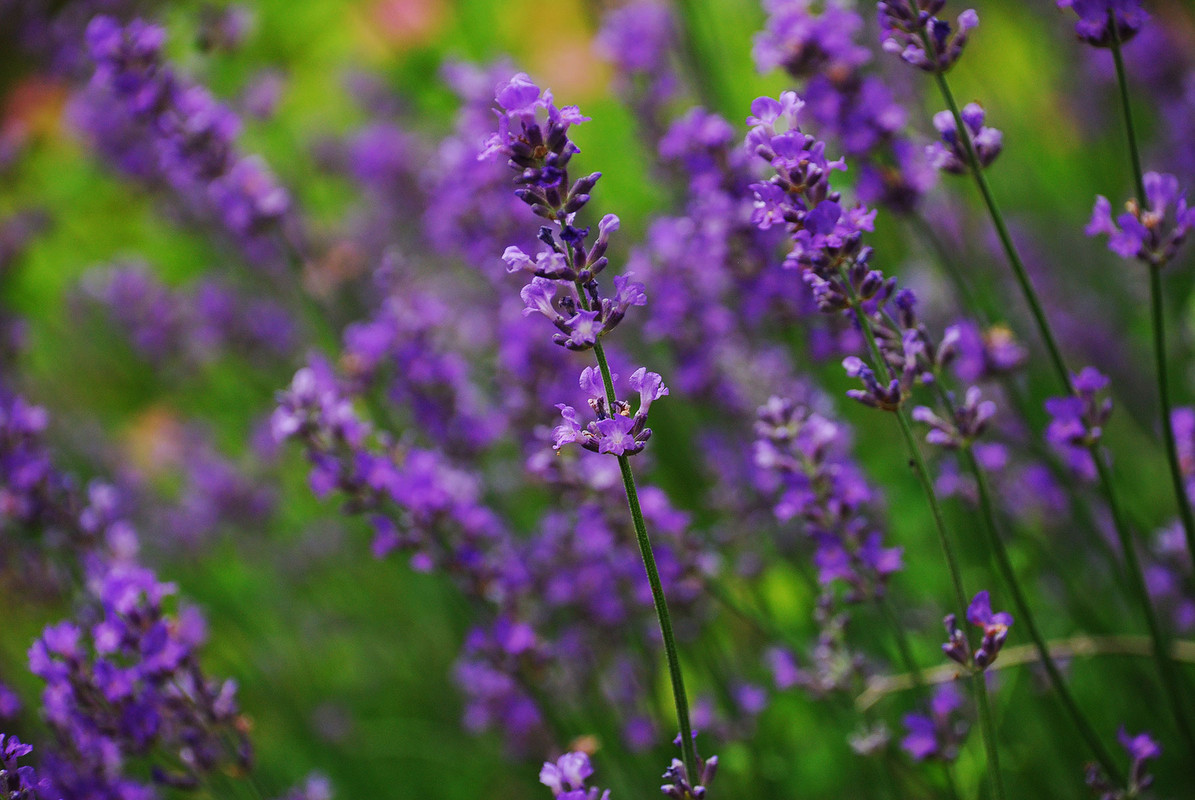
[950, 154]
[615, 431]
[566, 778]
[1149, 234]
[995, 631]
[1141, 748]
[1095, 18]
[908, 25]
[18, 783]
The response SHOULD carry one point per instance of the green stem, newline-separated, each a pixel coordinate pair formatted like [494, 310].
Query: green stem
[988, 725]
[1176, 473]
[1010, 250]
[688, 750]
[1166, 667]
[1157, 309]
[1026, 617]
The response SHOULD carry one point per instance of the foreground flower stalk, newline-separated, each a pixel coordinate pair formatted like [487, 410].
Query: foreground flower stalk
[533, 135]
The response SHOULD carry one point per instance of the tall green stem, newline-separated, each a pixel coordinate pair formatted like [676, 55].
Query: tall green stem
[680, 699]
[1026, 617]
[988, 724]
[1165, 665]
[1157, 314]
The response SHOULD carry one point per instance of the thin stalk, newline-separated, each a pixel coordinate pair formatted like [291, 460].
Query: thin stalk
[1157, 315]
[1166, 668]
[917, 460]
[1010, 250]
[902, 643]
[688, 750]
[1026, 617]
[988, 725]
[1176, 473]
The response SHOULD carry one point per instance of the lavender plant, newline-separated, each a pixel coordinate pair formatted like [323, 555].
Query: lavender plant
[325, 325]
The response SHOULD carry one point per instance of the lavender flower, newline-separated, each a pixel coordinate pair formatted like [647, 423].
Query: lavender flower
[940, 734]
[950, 154]
[1077, 421]
[967, 423]
[1096, 18]
[615, 431]
[566, 778]
[19, 782]
[1152, 234]
[1141, 749]
[682, 786]
[995, 631]
[911, 29]
[806, 44]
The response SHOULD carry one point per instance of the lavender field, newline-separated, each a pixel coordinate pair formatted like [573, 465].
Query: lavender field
[597, 400]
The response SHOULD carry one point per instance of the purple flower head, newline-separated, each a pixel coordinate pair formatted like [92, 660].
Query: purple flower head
[1097, 17]
[1141, 748]
[805, 42]
[995, 628]
[950, 154]
[19, 782]
[907, 25]
[885, 398]
[566, 778]
[1076, 422]
[679, 785]
[939, 734]
[1152, 234]
[966, 424]
[616, 431]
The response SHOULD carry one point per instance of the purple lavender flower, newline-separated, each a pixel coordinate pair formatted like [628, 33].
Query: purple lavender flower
[1141, 748]
[1077, 421]
[313, 787]
[995, 631]
[950, 154]
[567, 776]
[967, 423]
[1096, 18]
[615, 431]
[939, 734]
[804, 43]
[19, 782]
[10, 704]
[911, 29]
[976, 354]
[680, 785]
[639, 38]
[1152, 234]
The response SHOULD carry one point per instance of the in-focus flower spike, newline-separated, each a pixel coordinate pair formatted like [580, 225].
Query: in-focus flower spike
[1095, 18]
[1150, 234]
[950, 154]
[615, 431]
[886, 398]
[566, 778]
[1076, 421]
[995, 631]
[1141, 748]
[907, 25]
[939, 734]
[680, 785]
[969, 421]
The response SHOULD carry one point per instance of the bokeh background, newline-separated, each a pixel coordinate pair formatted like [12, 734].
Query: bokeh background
[344, 662]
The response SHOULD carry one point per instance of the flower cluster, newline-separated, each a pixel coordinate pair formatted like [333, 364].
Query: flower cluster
[967, 423]
[1076, 421]
[995, 631]
[1141, 748]
[157, 126]
[616, 430]
[825, 489]
[911, 29]
[950, 154]
[18, 782]
[939, 734]
[566, 778]
[682, 786]
[131, 685]
[1097, 18]
[1152, 233]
